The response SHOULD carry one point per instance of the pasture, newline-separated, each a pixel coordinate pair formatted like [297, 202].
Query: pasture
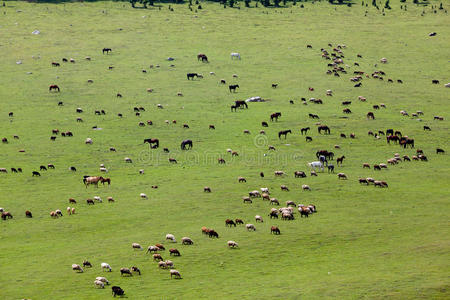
[363, 242]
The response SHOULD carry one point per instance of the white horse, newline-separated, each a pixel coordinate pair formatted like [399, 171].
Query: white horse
[235, 54]
[316, 164]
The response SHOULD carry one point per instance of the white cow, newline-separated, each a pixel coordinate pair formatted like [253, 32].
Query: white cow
[316, 164]
[235, 54]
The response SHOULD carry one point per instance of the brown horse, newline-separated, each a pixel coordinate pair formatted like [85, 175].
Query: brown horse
[202, 57]
[107, 180]
[339, 160]
[324, 128]
[151, 142]
[92, 180]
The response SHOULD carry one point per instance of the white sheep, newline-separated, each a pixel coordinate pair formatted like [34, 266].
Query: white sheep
[106, 266]
[128, 160]
[77, 268]
[143, 196]
[102, 279]
[141, 171]
[212, 73]
[73, 210]
[306, 187]
[136, 246]
[104, 170]
[170, 237]
[69, 210]
[250, 227]
[2, 209]
[258, 218]
[265, 190]
[169, 263]
[98, 199]
[232, 244]
[175, 273]
[88, 141]
[99, 284]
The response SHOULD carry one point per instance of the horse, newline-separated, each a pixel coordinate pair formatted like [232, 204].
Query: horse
[186, 143]
[107, 50]
[108, 180]
[202, 57]
[275, 116]
[235, 54]
[55, 64]
[92, 180]
[393, 138]
[232, 87]
[53, 87]
[233, 107]
[316, 164]
[330, 168]
[313, 116]
[406, 141]
[305, 130]
[339, 160]
[191, 75]
[36, 173]
[241, 104]
[151, 142]
[323, 159]
[309, 139]
[324, 128]
[284, 132]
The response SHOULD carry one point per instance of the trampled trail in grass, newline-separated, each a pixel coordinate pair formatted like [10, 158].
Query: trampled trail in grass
[363, 242]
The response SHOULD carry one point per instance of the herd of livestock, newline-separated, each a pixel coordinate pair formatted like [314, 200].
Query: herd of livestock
[334, 56]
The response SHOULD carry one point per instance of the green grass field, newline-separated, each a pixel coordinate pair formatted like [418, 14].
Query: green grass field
[363, 242]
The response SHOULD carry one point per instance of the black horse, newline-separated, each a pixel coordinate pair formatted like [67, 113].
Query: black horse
[324, 128]
[240, 104]
[107, 50]
[305, 130]
[233, 87]
[151, 142]
[275, 116]
[284, 132]
[191, 75]
[186, 143]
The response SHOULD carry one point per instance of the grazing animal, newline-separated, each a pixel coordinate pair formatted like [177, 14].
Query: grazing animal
[54, 87]
[92, 180]
[191, 75]
[342, 176]
[299, 174]
[77, 268]
[6, 215]
[426, 128]
[275, 116]
[105, 266]
[186, 241]
[330, 168]
[107, 50]
[154, 143]
[323, 128]
[305, 130]
[232, 244]
[316, 164]
[339, 160]
[306, 187]
[275, 230]
[28, 214]
[116, 290]
[186, 144]
[36, 173]
[125, 271]
[439, 150]
[229, 222]
[370, 115]
[175, 273]
[174, 252]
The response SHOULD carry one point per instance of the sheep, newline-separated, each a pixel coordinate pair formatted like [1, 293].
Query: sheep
[128, 160]
[284, 188]
[274, 201]
[110, 199]
[265, 190]
[105, 266]
[88, 141]
[175, 273]
[265, 196]
[69, 210]
[58, 212]
[250, 227]
[99, 284]
[73, 210]
[342, 175]
[288, 203]
[169, 263]
[104, 170]
[136, 246]
[186, 241]
[241, 179]
[152, 249]
[384, 60]
[141, 171]
[232, 244]
[77, 268]
[102, 279]
[157, 256]
[97, 198]
[143, 196]
[171, 237]
[258, 218]
[306, 187]
[254, 194]
[279, 173]
[125, 271]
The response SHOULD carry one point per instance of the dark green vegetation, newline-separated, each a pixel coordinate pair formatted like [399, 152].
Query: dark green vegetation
[363, 242]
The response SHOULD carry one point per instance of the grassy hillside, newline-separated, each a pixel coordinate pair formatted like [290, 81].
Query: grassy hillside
[363, 242]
